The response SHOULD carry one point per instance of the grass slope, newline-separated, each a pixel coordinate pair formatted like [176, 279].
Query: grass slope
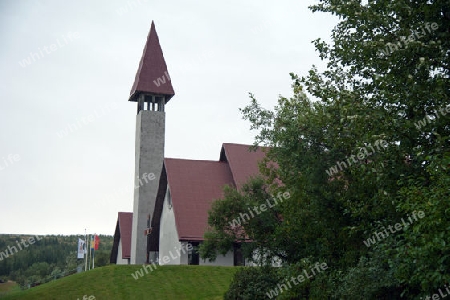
[7, 287]
[116, 282]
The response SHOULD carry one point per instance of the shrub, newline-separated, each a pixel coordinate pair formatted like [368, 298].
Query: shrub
[251, 283]
[313, 286]
[372, 278]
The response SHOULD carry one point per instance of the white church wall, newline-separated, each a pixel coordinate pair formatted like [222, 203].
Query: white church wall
[184, 256]
[168, 235]
[120, 260]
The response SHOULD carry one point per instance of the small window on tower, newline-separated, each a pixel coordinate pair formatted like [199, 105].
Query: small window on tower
[169, 199]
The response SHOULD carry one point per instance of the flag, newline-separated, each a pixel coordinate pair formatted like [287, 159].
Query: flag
[96, 242]
[81, 248]
[92, 243]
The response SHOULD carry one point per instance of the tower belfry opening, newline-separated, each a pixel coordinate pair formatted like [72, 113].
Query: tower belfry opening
[151, 102]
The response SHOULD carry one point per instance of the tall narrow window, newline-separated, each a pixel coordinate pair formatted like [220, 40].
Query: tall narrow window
[193, 256]
[238, 257]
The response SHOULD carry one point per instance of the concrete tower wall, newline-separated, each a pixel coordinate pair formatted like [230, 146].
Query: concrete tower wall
[150, 129]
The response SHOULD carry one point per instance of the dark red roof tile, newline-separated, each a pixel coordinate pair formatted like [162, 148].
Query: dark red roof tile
[194, 185]
[152, 69]
[125, 221]
[243, 161]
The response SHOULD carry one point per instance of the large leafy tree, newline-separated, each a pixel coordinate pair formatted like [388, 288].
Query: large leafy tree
[372, 148]
[388, 73]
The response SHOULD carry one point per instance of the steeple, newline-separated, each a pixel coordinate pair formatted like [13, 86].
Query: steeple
[152, 89]
[152, 84]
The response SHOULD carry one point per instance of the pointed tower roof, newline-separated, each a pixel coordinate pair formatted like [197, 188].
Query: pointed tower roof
[152, 76]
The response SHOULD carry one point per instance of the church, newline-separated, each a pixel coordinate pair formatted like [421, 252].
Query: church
[172, 197]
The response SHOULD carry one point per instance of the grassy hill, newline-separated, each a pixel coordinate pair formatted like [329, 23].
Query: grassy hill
[8, 287]
[116, 282]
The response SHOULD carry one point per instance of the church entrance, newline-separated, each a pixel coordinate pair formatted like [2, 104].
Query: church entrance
[193, 255]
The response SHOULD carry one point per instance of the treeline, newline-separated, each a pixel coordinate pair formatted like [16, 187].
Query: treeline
[30, 260]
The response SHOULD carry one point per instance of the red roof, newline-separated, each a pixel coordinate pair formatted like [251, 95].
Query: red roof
[195, 184]
[124, 221]
[243, 161]
[152, 76]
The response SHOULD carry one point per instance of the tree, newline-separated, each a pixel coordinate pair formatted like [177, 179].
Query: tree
[392, 58]
[238, 219]
[371, 151]
[102, 258]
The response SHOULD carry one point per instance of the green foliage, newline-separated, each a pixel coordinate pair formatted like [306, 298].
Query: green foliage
[312, 286]
[423, 249]
[386, 89]
[234, 219]
[50, 257]
[370, 279]
[251, 283]
[102, 257]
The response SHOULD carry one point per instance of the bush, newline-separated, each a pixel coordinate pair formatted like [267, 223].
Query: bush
[251, 283]
[372, 278]
[313, 286]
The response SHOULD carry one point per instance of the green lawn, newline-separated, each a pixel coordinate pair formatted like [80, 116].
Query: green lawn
[116, 282]
[8, 287]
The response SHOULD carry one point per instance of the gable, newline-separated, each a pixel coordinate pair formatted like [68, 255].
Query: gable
[194, 185]
[243, 162]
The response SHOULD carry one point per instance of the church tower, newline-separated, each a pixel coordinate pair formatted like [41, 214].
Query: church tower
[152, 89]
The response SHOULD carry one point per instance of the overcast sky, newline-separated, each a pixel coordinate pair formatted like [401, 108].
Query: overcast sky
[67, 131]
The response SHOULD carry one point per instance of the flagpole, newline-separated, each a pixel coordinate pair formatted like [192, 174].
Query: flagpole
[85, 253]
[93, 251]
[89, 251]
[96, 243]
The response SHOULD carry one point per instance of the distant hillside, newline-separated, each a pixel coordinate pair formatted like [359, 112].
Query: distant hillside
[41, 258]
[116, 282]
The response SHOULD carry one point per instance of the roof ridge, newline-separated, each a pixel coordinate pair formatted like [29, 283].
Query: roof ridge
[194, 160]
[250, 145]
